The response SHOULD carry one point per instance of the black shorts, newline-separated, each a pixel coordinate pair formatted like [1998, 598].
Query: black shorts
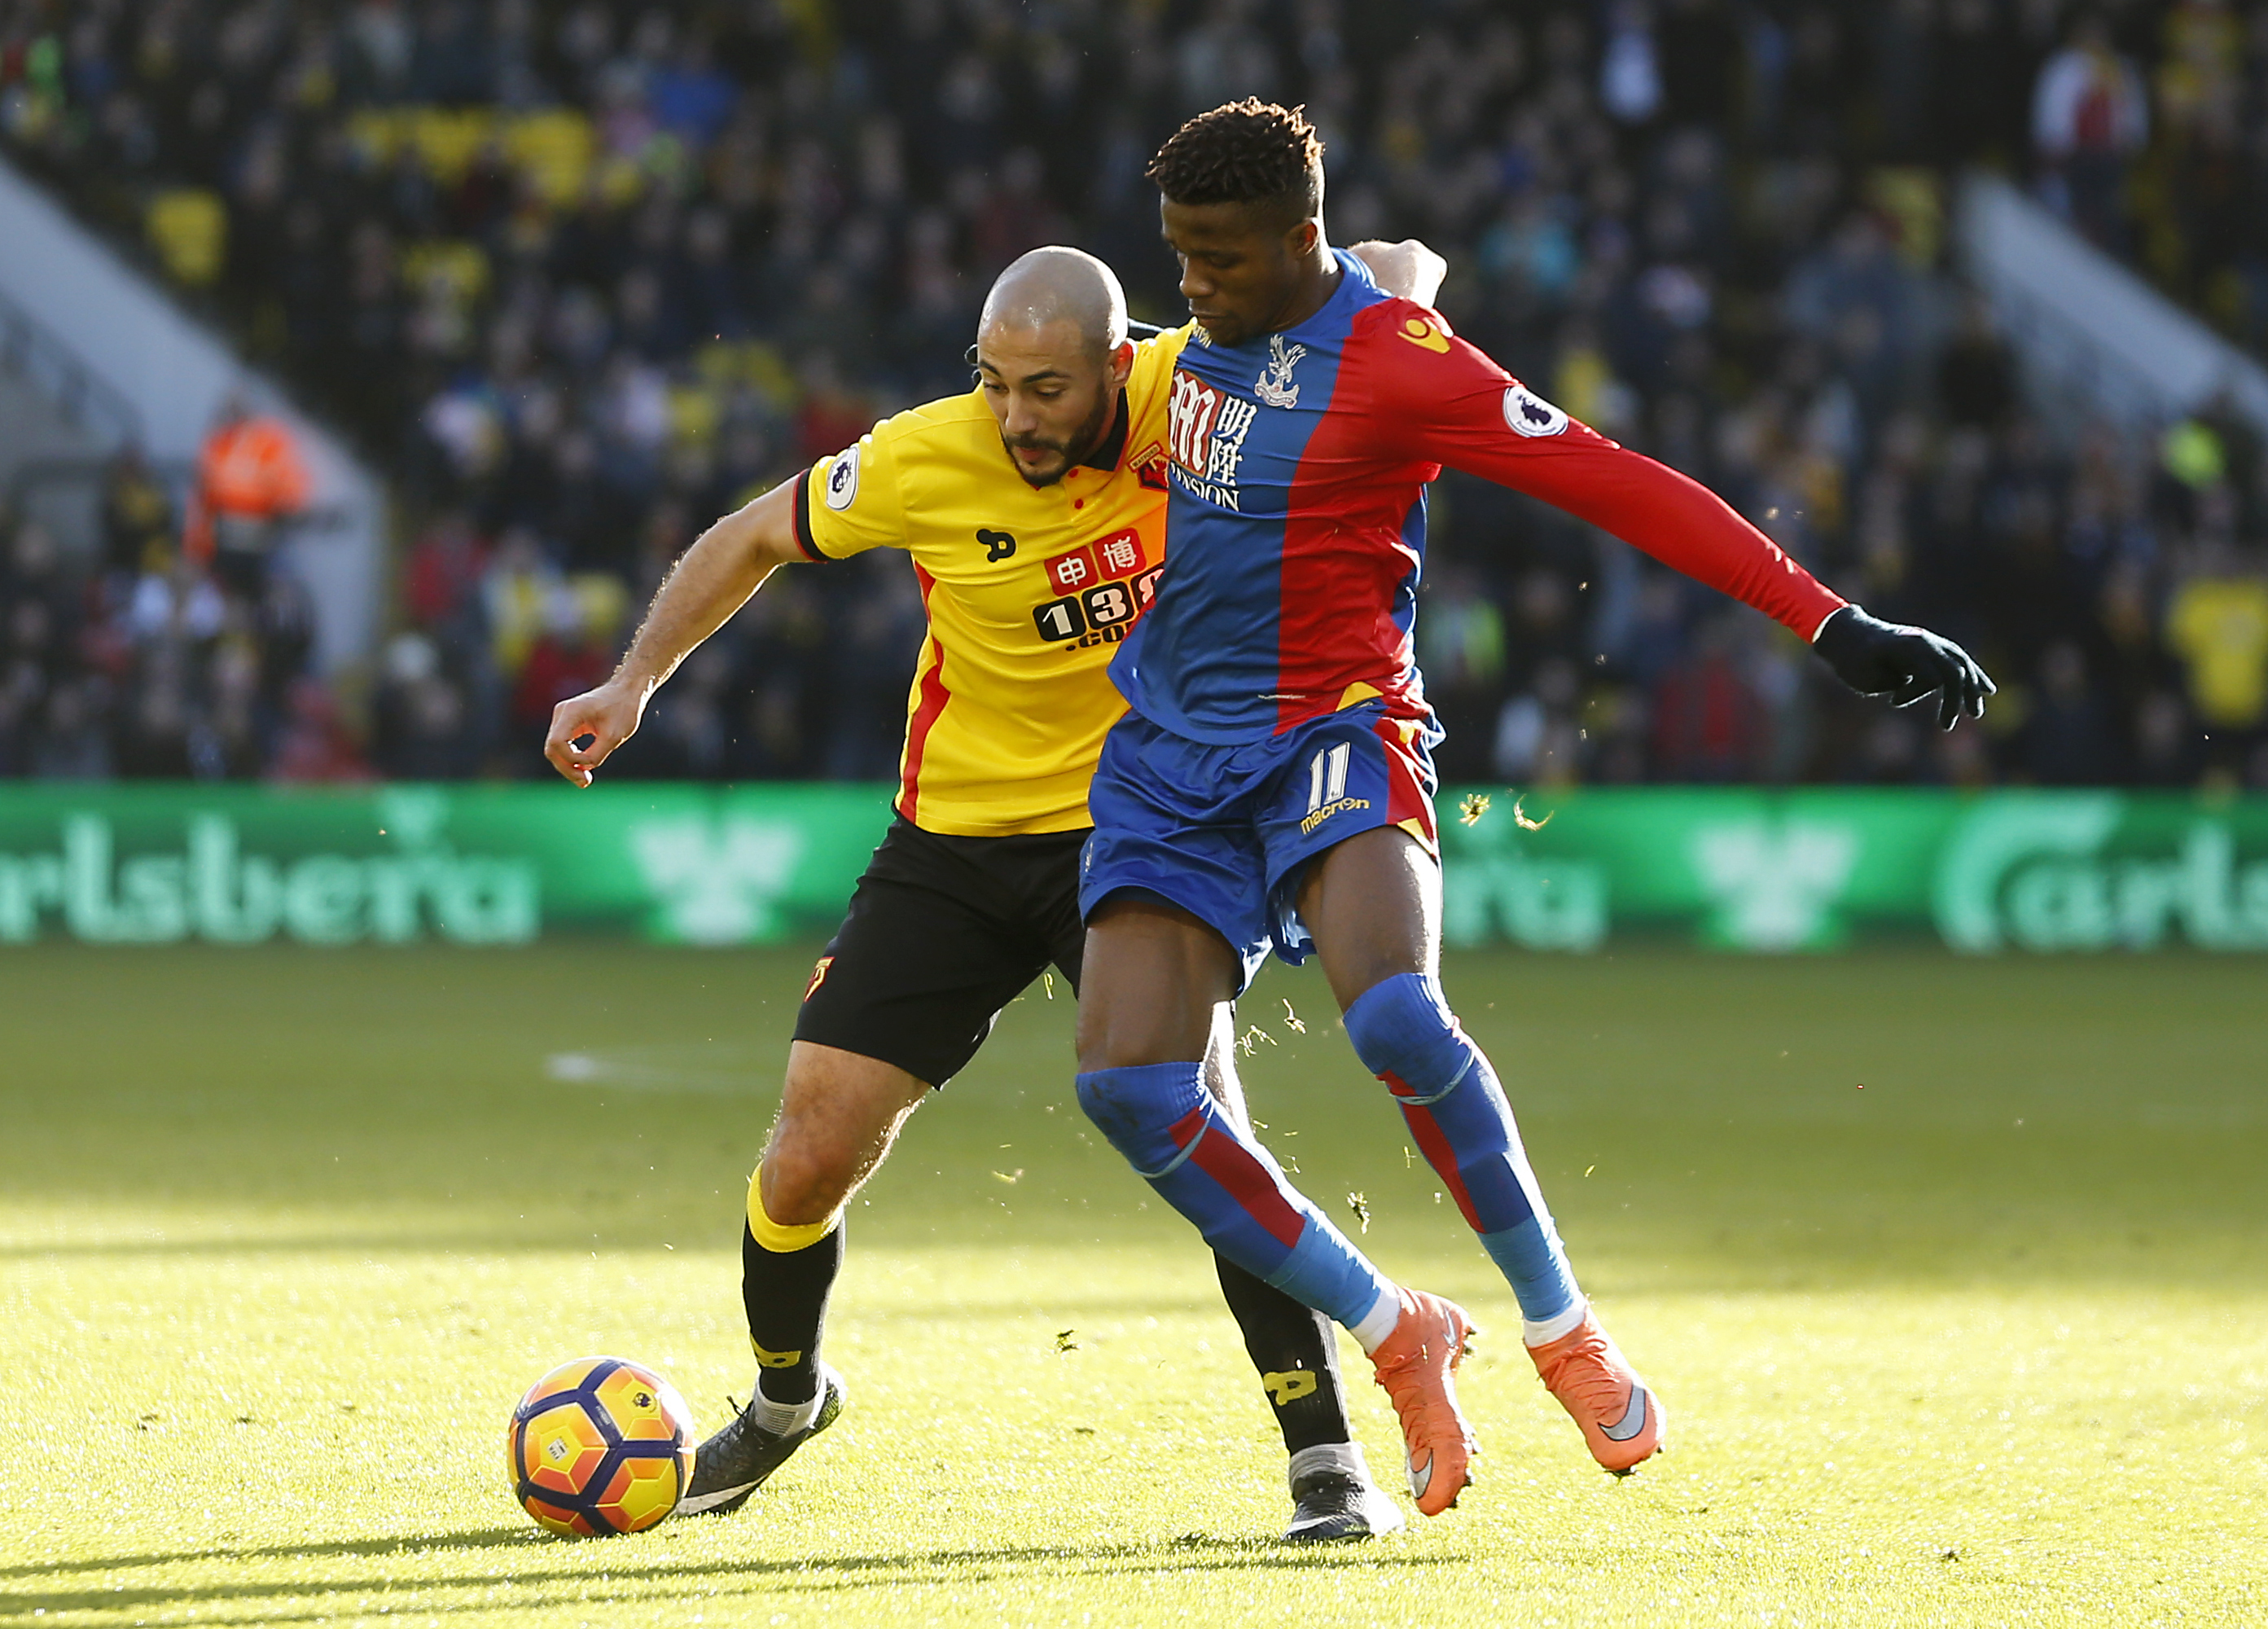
[942, 933]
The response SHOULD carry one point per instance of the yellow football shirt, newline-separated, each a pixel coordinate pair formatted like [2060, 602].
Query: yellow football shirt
[1029, 592]
[2220, 626]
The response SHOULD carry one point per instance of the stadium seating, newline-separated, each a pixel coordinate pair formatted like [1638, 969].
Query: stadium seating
[580, 275]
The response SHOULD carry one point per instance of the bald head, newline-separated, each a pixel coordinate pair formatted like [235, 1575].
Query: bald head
[1057, 285]
[1051, 357]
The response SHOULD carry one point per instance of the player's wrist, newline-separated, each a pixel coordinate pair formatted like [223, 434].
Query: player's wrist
[1820, 632]
[633, 685]
[1859, 650]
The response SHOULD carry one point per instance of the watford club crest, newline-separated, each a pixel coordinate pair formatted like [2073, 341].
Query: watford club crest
[1149, 468]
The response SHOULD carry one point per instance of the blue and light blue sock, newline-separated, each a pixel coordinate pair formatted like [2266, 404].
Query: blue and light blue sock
[1180, 1141]
[1405, 1034]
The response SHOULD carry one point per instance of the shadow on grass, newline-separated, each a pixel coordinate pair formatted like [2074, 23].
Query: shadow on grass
[1749, 1258]
[482, 1538]
[537, 1240]
[523, 1590]
[376, 1245]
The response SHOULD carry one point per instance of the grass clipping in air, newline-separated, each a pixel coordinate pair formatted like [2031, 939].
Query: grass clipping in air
[1987, 1342]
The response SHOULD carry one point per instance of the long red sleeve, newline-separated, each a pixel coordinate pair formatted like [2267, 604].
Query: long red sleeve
[1436, 399]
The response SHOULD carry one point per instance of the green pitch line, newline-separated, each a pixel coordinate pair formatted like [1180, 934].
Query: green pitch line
[282, 1235]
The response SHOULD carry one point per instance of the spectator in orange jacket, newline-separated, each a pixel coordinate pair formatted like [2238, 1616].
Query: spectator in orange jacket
[250, 480]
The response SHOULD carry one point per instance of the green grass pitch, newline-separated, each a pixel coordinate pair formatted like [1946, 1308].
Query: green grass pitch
[284, 1234]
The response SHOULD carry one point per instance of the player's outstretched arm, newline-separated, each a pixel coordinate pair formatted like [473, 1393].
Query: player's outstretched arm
[713, 579]
[1449, 403]
[1904, 664]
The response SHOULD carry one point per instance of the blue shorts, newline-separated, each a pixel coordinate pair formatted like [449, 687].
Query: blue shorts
[1227, 832]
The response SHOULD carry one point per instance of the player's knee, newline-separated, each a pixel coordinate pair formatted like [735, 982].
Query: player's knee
[1403, 1027]
[1133, 1034]
[1101, 1039]
[801, 1195]
[1138, 1110]
[783, 1235]
[806, 1176]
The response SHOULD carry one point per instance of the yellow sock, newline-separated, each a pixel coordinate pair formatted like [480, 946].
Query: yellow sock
[775, 1237]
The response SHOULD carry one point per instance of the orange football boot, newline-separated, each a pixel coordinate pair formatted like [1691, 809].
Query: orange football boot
[1417, 1364]
[1621, 1419]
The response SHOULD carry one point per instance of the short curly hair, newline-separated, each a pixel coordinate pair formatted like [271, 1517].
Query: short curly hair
[1245, 152]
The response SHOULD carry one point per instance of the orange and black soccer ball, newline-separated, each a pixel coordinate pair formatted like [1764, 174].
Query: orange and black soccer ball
[600, 1446]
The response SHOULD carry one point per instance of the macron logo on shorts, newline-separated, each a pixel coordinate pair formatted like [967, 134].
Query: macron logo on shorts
[1327, 780]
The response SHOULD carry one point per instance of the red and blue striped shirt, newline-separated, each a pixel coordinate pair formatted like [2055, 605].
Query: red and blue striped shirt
[1296, 522]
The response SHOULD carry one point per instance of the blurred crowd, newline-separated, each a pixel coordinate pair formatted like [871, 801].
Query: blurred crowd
[177, 650]
[580, 275]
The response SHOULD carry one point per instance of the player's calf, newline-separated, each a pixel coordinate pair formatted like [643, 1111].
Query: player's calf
[1185, 1146]
[1296, 1351]
[787, 1271]
[1403, 1031]
[1405, 1034]
[1180, 1140]
[838, 1114]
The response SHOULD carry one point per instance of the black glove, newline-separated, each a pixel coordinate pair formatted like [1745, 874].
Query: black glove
[1876, 658]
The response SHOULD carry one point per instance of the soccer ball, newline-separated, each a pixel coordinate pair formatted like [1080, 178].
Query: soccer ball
[600, 1446]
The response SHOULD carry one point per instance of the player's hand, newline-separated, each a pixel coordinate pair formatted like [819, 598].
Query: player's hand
[600, 720]
[1407, 269]
[1905, 664]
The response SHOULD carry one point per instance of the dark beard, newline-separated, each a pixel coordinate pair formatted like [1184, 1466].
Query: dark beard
[1076, 451]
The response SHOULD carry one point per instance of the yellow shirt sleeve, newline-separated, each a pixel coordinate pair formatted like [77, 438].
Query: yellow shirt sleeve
[850, 503]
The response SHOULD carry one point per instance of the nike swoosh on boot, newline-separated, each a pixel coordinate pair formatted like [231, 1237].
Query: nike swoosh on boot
[1633, 1420]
